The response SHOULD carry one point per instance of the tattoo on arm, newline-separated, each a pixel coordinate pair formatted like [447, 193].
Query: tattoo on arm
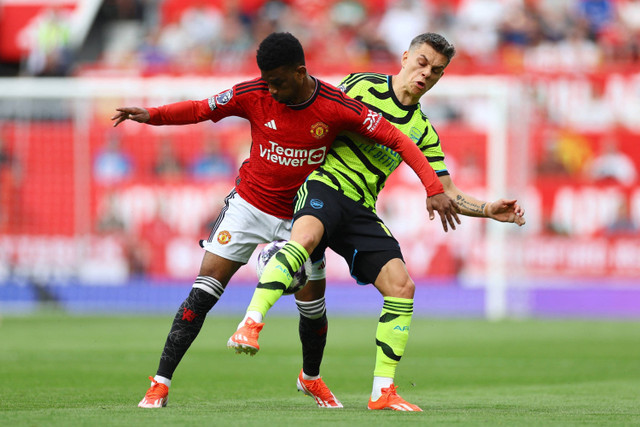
[470, 208]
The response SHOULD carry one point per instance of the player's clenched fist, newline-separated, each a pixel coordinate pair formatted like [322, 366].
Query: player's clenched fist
[131, 113]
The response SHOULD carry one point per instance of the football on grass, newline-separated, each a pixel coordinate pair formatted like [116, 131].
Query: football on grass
[300, 278]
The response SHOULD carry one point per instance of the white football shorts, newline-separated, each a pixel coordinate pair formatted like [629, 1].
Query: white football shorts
[241, 227]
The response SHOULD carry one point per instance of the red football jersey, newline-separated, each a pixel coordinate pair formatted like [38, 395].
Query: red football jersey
[290, 141]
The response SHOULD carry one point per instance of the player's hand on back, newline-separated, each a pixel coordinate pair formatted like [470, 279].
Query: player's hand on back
[446, 207]
[137, 114]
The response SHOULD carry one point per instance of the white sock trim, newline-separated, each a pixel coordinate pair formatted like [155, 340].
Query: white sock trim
[312, 309]
[309, 377]
[255, 315]
[209, 285]
[378, 384]
[162, 380]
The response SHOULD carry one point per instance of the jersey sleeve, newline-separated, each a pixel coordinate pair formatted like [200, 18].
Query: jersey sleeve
[432, 150]
[179, 113]
[214, 108]
[372, 125]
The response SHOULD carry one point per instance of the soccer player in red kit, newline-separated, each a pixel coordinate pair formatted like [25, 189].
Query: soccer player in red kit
[294, 118]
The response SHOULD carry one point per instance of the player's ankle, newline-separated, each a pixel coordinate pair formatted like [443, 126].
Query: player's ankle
[162, 380]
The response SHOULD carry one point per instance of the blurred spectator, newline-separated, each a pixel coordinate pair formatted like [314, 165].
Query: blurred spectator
[123, 9]
[400, 23]
[110, 220]
[597, 15]
[629, 14]
[575, 52]
[477, 28]
[111, 165]
[521, 25]
[150, 252]
[167, 165]
[613, 164]
[152, 58]
[211, 163]
[620, 41]
[48, 41]
[202, 24]
[234, 46]
[343, 35]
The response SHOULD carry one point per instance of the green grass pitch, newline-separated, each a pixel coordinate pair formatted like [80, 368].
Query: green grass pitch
[60, 370]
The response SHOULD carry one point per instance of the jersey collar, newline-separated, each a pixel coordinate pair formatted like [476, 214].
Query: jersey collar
[395, 99]
[309, 101]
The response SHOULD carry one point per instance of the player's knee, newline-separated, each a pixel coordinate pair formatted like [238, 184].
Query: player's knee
[403, 287]
[308, 232]
[313, 290]
[309, 241]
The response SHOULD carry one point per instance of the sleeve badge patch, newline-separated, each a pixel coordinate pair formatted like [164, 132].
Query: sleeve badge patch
[224, 97]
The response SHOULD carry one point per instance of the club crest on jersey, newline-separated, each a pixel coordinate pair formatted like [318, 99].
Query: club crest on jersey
[319, 130]
[224, 237]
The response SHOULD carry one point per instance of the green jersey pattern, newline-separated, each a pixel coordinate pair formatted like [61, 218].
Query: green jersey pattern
[358, 167]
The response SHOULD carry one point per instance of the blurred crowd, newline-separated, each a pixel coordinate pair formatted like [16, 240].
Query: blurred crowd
[220, 36]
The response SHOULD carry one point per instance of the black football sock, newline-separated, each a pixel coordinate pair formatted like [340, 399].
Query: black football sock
[313, 335]
[185, 328]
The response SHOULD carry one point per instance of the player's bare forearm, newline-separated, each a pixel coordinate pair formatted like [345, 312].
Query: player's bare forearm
[469, 206]
[500, 210]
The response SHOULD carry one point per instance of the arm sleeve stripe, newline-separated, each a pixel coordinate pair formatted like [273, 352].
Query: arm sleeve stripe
[353, 79]
[251, 89]
[332, 92]
[254, 82]
[358, 111]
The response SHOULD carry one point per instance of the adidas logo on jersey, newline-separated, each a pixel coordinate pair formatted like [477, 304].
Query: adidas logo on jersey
[271, 125]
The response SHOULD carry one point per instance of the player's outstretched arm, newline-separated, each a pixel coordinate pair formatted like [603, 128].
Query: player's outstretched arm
[446, 208]
[137, 114]
[500, 210]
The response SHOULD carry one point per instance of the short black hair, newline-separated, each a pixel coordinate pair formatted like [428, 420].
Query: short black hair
[437, 42]
[279, 49]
